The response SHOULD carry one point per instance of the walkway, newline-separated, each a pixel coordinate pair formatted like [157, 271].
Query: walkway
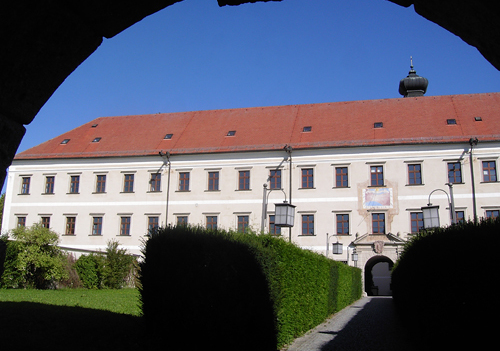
[370, 324]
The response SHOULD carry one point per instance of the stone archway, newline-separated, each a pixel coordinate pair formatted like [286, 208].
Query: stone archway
[377, 276]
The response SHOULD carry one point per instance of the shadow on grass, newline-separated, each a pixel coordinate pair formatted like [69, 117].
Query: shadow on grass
[26, 325]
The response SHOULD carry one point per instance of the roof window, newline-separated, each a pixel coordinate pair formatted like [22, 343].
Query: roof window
[307, 129]
[94, 125]
[65, 141]
[96, 140]
[168, 136]
[378, 125]
[450, 121]
[478, 119]
[231, 133]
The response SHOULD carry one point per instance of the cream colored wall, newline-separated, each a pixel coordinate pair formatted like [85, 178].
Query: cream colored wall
[324, 200]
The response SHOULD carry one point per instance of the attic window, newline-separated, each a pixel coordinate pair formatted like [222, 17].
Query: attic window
[94, 125]
[378, 125]
[451, 121]
[65, 141]
[96, 140]
[168, 136]
[306, 129]
[478, 119]
[231, 133]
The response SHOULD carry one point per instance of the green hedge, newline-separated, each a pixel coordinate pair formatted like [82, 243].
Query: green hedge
[238, 291]
[444, 283]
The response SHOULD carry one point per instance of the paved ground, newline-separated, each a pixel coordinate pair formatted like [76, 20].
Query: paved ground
[370, 323]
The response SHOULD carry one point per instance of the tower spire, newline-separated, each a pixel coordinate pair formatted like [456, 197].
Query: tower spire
[413, 85]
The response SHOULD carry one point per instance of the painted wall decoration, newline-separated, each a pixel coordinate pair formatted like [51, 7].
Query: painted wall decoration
[377, 198]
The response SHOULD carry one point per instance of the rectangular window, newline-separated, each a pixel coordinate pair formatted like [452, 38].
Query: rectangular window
[128, 183]
[49, 184]
[275, 179]
[25, 186]
[341, 177]
[378, 223]
[492, 213]
[417, 222]
[307, 178]
[184, 181]
[489, 171]
[100, 183]
[74, 185]
[242, 224]
[454, 172]
[70, 225]
[273, 229]
[244, 180]
[96, 225]
[342, 224]
[377, 175]
[46, 222]
[155, 182]
[212, 222]
[414, 174]
[21, 221]
[213, 181]
[125, 225]
[182, 220]
[460, 216]
[307, 224]
[153, 223]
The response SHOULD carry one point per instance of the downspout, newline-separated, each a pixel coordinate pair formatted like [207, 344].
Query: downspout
[472, 143]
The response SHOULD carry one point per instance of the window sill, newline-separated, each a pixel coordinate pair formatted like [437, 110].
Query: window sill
[212, 191]
[72, 193]
[377, 186]
[127, 192]
[492, 182]
[341, 187]
[154, 191]
[183, 191]
[48, 193]
[307, 188]
[99, 192]
[422, 184]
[95, 234]
[245, 189]
[23, 194]
[307, 235]
[69, 235]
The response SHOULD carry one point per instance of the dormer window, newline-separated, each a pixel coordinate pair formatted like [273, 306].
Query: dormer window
[65, 141]
[378, 125]
[307, 129]
[231, 133]
[168, 136]
[451, 121]
[96, 140]
[478, 119]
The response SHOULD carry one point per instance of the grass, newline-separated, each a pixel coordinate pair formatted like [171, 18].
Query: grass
[72, 319]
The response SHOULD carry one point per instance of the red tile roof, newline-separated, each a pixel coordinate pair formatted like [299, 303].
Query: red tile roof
[405, 121]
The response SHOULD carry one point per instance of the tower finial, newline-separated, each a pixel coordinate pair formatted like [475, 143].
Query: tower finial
[411, 62]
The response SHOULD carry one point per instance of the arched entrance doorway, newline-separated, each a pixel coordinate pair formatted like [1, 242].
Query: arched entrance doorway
[378, 276]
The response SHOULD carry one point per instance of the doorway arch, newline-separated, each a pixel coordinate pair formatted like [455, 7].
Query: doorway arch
[378, 276]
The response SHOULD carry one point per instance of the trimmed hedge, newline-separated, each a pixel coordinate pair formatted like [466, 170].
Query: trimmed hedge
[444, 283]
[238, 291]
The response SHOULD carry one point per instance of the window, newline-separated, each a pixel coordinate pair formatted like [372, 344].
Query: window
[153, 223]
[273, 229]
[70, 225]
[307, 129]
[492, 214]
[155, 182]
[341, 177]
[451, 121]
[49, 185]
[417, 222]
[378, 125]
[242, 224]
[184, 181]
[342, 224]
[96, 225]
[65, 141]
[96, 140]
[376, 175]
[25, 185]
[128, 184]
[211, 222]
[414, 174]
[378, 223]
[454, 172]
[213, 181]
[231, 133]
[46, 222]
[125, 225]
[244, 180]
[460, 216]
[307, 224]
[74, 185]
[182, 220]
[168, 136]
[21, 221]
[489, 171]
[307, 178]
[101, 183]
[275, 179]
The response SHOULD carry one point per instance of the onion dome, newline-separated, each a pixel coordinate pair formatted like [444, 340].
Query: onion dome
[413, 84]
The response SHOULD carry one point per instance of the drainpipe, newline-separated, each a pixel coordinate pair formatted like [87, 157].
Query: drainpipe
[473, 142]
[288, 149]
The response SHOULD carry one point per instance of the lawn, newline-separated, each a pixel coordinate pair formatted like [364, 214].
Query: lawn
[72, 320]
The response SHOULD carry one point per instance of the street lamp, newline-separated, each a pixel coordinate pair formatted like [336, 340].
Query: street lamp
[431, 213]
[337, 248]
[284, 214]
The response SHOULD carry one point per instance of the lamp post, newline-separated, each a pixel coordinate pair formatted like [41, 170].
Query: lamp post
[431, 213]
[337, 248]
[166, 161]
[473, 142]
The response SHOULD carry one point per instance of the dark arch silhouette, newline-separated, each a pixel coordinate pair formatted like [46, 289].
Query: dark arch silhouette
[369, 284]
[44, 42]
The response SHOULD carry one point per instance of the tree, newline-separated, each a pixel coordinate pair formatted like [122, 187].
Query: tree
[35, 260]
[2, 201]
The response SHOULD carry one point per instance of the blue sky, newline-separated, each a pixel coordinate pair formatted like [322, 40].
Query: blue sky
[195, 55]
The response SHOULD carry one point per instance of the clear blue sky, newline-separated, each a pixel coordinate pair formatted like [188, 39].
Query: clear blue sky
[195, 55]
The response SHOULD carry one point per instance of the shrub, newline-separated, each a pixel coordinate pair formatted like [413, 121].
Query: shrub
[89, 268]
[72, 280]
